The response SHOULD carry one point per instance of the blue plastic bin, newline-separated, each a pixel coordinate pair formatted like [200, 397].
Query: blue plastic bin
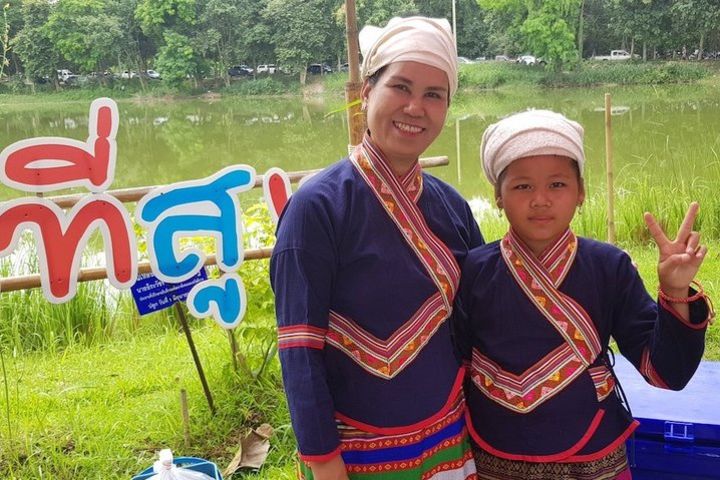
[679, 432]
[189, 463]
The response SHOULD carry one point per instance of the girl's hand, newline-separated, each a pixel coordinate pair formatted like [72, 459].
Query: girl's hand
[680, 259]
[333, 469]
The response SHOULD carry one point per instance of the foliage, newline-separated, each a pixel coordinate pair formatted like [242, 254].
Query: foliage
[303, 29]
[547, 28]
[627, 73]
[39, 53]
[4, 40]
[262, 86]
[176, 58]
[83, 33]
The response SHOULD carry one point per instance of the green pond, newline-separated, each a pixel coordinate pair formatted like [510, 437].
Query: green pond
[665, 135]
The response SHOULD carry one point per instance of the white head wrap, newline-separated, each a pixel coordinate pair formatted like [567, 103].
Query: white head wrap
[530, 133]
[412, 39]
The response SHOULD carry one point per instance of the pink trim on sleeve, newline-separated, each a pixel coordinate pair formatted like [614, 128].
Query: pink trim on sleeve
[695, 326]
[320, 458]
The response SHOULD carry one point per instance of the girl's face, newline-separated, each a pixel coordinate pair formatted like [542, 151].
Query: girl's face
[539, 195]
[406, 110]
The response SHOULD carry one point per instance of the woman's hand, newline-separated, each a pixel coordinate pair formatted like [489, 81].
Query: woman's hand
[680, 259]
[331, 470]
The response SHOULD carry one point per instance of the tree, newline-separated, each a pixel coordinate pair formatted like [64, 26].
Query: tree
[84, 33]
[176, 58]
[301, 31]
[378, 12]
[699, 18]
[38, 53]
[4, 40]
[547, 27]
[221, 21]
[172, 24]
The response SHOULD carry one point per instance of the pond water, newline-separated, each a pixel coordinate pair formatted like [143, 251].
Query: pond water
[662, 135]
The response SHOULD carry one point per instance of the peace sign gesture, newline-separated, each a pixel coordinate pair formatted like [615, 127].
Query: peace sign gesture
[680, 259]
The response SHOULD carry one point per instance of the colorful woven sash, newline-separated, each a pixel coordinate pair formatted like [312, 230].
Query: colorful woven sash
[398, 196]
[540, 278]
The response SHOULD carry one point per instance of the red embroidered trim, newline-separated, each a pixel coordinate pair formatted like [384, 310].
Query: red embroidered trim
[435, 255]
[320, 458]
[649, 372]
[695, 326]
[605, 451]
[296, 336]
[456, 400]
[603, 380]
[525, 392]
[387, 358]
[556, 457]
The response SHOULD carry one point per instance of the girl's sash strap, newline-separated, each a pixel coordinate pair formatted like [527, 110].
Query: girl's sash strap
[541, 284]
[539, 278]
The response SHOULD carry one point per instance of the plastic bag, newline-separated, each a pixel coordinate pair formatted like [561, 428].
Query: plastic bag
[165, 469]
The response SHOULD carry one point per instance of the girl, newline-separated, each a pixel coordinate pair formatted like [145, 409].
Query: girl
[538, 309]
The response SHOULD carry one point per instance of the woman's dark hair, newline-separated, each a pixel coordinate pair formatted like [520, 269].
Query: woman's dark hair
[373, 79]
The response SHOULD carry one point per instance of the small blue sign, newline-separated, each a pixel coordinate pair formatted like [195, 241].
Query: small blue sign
[152, 294]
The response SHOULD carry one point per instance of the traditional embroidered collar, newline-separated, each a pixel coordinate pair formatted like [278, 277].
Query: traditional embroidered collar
[556, 259]
[411, 182]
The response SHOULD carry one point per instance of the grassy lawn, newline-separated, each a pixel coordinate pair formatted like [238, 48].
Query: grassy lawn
[101, 412]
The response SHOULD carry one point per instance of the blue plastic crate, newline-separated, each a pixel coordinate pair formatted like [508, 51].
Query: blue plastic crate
[189, 463]
[679, 433]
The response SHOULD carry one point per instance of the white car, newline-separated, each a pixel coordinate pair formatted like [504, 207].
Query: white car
[465, 60]
[153, 74]
[267, 68]
[530, 60]
[127, 74]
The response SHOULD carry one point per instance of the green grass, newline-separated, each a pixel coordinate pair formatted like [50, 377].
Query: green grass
[102, 412]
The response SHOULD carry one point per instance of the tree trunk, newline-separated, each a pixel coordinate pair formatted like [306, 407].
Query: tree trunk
[581, 25]
[644, 51]
[303, 76]
[702, 44]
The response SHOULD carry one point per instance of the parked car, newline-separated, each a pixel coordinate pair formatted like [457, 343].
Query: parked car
[479, 59]
[240, 71]
[530, 60]
[66, 76]
[318, 68]
[502, 58]
[464, 60]
[127, 74]
[152, 74]
[266, 68]
[615, 55]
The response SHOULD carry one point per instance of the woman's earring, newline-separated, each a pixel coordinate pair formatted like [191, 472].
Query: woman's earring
[363, 106]
[579, 208]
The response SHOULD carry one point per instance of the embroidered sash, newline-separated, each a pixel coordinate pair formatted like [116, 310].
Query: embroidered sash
[540, 278]
[398, 196]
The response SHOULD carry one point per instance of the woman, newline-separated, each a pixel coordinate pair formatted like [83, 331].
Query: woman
[365, 271]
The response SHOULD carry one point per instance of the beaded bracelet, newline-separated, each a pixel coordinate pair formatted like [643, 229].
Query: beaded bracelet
[698, 295]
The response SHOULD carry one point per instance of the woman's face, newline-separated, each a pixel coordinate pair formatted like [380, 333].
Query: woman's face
[406, 110]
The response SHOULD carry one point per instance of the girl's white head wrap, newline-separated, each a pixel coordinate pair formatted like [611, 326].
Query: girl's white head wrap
[412, 39]
[530, 133]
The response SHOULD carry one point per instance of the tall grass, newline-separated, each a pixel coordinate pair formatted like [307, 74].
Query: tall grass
[668, 203]
[627, 73]
[99, 313]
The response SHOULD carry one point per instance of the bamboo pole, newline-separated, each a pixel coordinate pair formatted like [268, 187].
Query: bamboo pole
[26, 282]
[356, 118]
[609, 171]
